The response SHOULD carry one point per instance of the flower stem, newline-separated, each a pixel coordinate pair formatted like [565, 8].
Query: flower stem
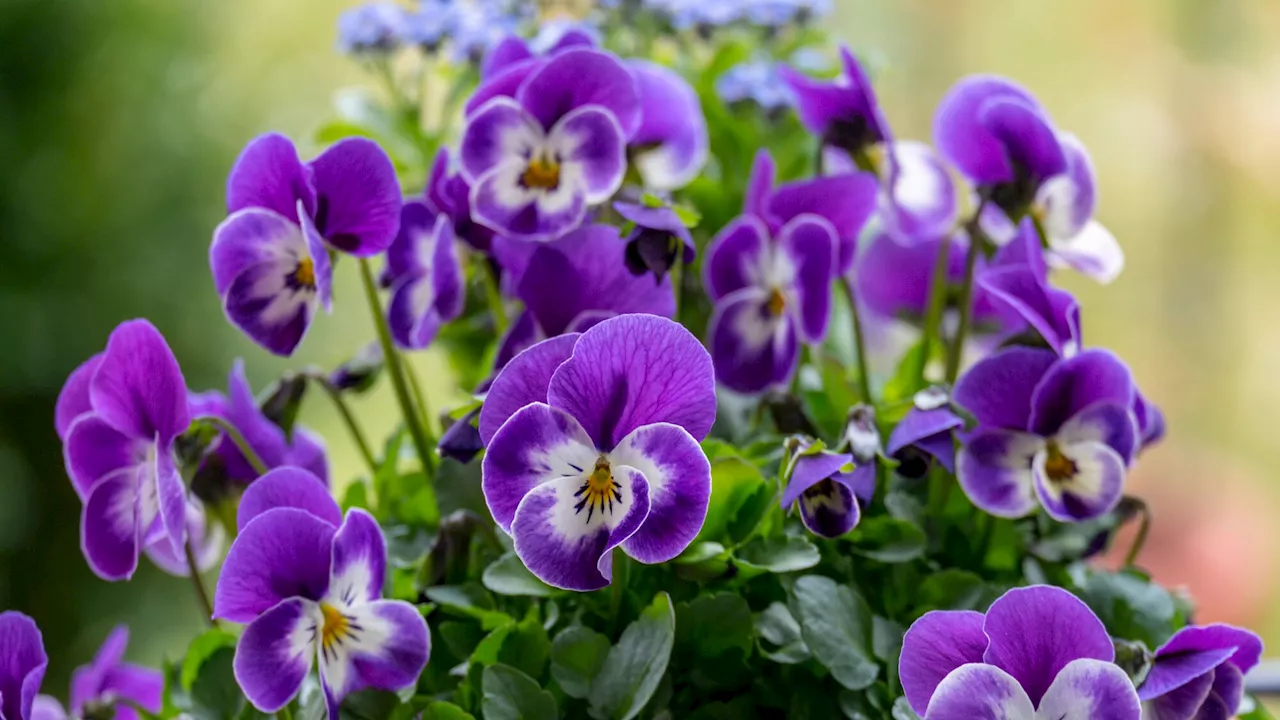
[230, 431]
[937, 301]
[429, 421]
[348, 418]
[1144, 527]
[859, 342]
[284, 713]
[395, 368]
[677, 284]
[493, 296]
[976, 238]
[617, 588]
[198, 583]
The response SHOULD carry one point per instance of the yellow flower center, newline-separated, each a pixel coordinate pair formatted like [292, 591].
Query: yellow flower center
[543, 173]
[1057, 466]
[777, 303]
[305, 273]
[336, 626]
[598, 490]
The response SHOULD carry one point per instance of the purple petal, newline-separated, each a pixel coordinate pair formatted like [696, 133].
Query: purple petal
[1053, 313]
[406, 255]
[580, 77]
[896, 279]
[1194, 651]
[636, 370]
[73, 400]
[496, 133]
[936, 644]
[567, 548]
[522, 381]
[1092, 377]
[752, 348]
[504, 83]
[537, 444]
[808, 470]
[919, 201]
[1093, 252]
[389, 653]
[94, 449]
[998, 390]
[919, 425]
[1068, 200]
[591, 146]
[138, 388]
[1105, 423]
[424, 301]
[1227, 693]
[994, 468]
[208, 540]
[1090, 690]
[357, 197]
[1036, 631]
[273, 303]
[171, 495]
[679, 482]
[523, 334]
[252, 237]
[1029, 140]
[736, 257]
[500, 201]
[143, 686]
[275, 653]
[321, 263]
[359, 567]
[1184, 702]
[847, 104]
[808, 245]
[980, 692]
[1092, 487]
[673, 130]
[288, 487]
[45, 707]
[847, 201]
[964, 139]
[111, 525]
[283, 553]
[830, 508]
[22, 664]
[269, 175]
[759, 185]
[509, 51]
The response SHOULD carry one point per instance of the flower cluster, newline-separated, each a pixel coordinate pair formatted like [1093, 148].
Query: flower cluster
[727, 345]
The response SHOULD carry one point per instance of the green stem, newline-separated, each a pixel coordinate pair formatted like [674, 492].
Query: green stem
[617, 588]
[230, 431]
[395, 368]
[937, 302]
[1138, 542]
[677, 282]
[429, 421]
[859, 342]
[348, 418]
[284, 713]
[976, 238]
[202, 594]
[494, 296]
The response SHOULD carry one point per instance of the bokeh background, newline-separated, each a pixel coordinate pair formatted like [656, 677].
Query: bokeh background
[120, 119]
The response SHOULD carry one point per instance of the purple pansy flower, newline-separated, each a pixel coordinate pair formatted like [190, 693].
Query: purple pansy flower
[119, 414]
[593, 444]
[102, 684]
[553, 38]
[304, 449]
[843, 112]
[926, 432]
[1199, 673]
[428, 287]
[1038, 653]
[828, 487]
[537, 160]
[22, 665]
[658, 241]
[308, 584]
[1060, 430]
[1018, 287]
[895, 279]
[447, 194]
[918, 199]
[270, 257]
[671, 145]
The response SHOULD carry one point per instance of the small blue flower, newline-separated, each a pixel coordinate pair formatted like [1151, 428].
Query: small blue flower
[756, 81]
[372, 28]
[430, 25]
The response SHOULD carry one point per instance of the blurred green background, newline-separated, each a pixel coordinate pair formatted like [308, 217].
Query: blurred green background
[120, 119]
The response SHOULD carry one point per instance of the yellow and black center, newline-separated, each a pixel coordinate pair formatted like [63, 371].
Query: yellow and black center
[777, 303]
[336, 628]
[542, 173]
[305, 274]
[598, 490]
[1057, 466]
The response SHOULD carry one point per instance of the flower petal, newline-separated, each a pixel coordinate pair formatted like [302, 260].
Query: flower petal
[1105, 423]
[808, 470]
[919, 201]
[998, 390]
[171, 495]
[736, 257]
[282, 553]
[1030, 142]
[636, 370]
[73, 400]
[417, 222]
[592, 148]
[45, 707]
[830, 508]
[275, 653]
[252, 237]
[1194, 651]
[980, 692]
[268, 304]
[1094, 376]
[1089, 689]
[387, 652]
[994, 470]
[846, 201]
[269, 175]
[536, 444]
[919, 425]
[759, 185]
[568, 549]
[111, 525]
[962, 137]
[1093, 252]
[1093, 489]
[808, 243]
[1036, 631]
[208, 540]
[1021, 293]
[1068, 200]
[138, 388]
[752, 349]
[679, 481]
[357, 197]
[1184, 702]
[94, 449]
[22, 664]
[936, 644]
[502, 84]
[580, 77]
[359, 567]
[1227, 693]
[497, 133]
[500, 201]
[140, 685]
[522, 381]
[672, 136]
[288, 487]
[509, 51]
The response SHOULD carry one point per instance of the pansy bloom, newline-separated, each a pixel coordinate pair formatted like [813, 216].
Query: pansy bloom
[22, 665]
[553, 38]
[828, 488]
[109, 687]
[593, 444]
[308, 584]
[1038, 653]
[270, 257]
[671, 144]
[658, 241]
[428, 287]
[1199, 673]
[843, 112]
[1018, 287]
[927, 431]
[119, 414]
[1051, 431]
[538, 159]
[894, 279]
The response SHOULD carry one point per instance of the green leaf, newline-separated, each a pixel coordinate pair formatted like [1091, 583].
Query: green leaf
[445, 711]
[370, 704]
[906, 380]
[577, 655]
[776, 626]
[889, 540]
[527, 646]
[204, 646]
[1131, 606]
[779, 555]
[951, 589]
[902, 710]
[511, 695]
[886, 639]
[688, 215]
[734, 482]
[468, 600]
[486, 652]
[508, 576]
[635, 665]
[356, 496]
[458, 487]
[214, 692]
[835, 623]
[751, 513]
[711, 625]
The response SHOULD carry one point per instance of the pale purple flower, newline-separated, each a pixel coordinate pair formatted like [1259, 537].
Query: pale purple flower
[111, 684]
[1018, 287]
[308, 585]
[425, 273]
[372, 28]
[828, 488]
[552, 39]
[270, 257]
[757, 82]
[1199, 673]
[1038, 653]
[671, 145]
[593, 444]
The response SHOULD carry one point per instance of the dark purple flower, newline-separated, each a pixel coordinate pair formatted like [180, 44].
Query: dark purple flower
[98, 689]
[119, 414]
[843, 112]
[360, 372]
[828, 487]
[671, 145]
[593, 444]
[1199, 673]
[658, 241]
[270, 257]
[303, 449]
[926, 432]
[22, 665]
[308, 585]
[537, 160]
[461, 440]
[1057, 430]
[1150, 419]
[428, 286]
[1037, 654]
